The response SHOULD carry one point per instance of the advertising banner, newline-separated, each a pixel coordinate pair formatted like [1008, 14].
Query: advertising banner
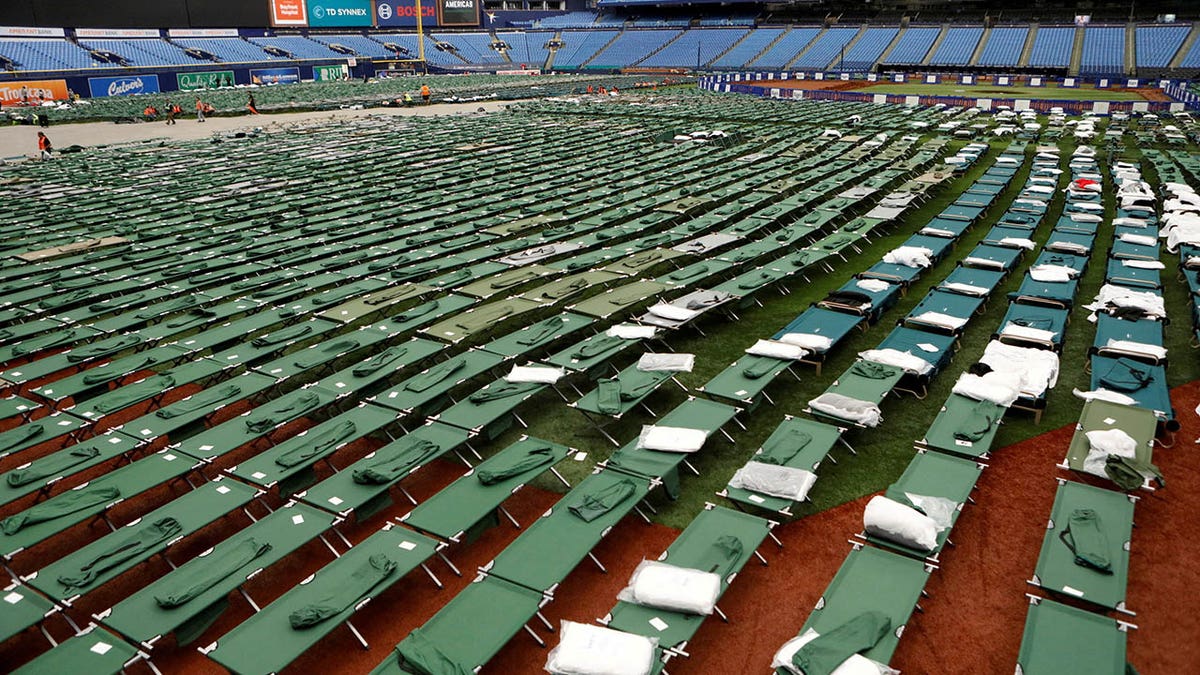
[202, 32]
[403, 13]
[29, 92]
[288, 13]
[458, 12]
[116, 33]
[209, 79]
[340, 13]
[126, 85]
[275, 75]
[24, 31]
[327, 73]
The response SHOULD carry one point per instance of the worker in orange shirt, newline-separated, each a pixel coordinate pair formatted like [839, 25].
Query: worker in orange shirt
[425, 94]
[44, 146]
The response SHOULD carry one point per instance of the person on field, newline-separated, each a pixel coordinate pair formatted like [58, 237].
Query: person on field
[251, 105]
[44, 146]
[199, 110]
[425, 93]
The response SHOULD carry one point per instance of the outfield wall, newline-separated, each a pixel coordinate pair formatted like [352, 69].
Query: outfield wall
[758, 84]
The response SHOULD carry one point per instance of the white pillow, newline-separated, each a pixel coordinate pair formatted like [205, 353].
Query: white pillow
[671, 439]
[939, 319]
[1102, 443]
[811, 341]
[902, 524]
[672, 313]
[1153, 351]
[630, 332]
[855, 665]
[777, 350]
[593, 650]
[535, 374]
[672, 363]
[679, 589]
[873, 285]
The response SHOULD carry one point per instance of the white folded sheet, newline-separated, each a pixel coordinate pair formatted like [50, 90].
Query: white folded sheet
[1038, 368]
[909, 256]
[673, 363]
[848, 408]
[873, 285]
[594, 650]
[1036, 334]
[542, 374]
[939, 319]
[1102, 443]
[893, 357]
[670, 587]
[671, 439]
[817, 343]
[785, 482]
[777, 350]
[631, 332]
[998, 387]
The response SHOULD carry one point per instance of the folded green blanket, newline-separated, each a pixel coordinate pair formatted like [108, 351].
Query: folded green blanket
[394, 460]
[50, 466]
[283, 336]
[311, 358]
[755, 366]
[479, 320]
[102, 375]
[496, 392]
[780, 451]
[64, 299]
[435, 375]
[379, 361]
[351, 589]
[755, 280]
[189, 582]
[872, 370]
[318, 445]
[193, 317]
[1131, 473]
[417, 312]
[566, 290]
[186, 302]
[1085, 536]
[47, 341]
[423, 657]
[131, 546]
[270, 419]
[530, 458]
[65, 504]
[608, 395]
[103, 348]
[721, 556]
[205, 399]
[417, 270]
[596, 346]
[540, 332]
[24, 434]
[255, 282]
[826, 652]
[336, 297]
[132, 393]
[1127, 375]
[514, 280]
[978, 422]
[596, 504]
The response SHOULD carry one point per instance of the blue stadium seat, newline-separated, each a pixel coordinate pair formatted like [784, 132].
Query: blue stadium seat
[1004, 46]
[957, 48]
[913, 45]
[1052, 47]
[1103, 51]
[1157, 45]
[786, 49]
